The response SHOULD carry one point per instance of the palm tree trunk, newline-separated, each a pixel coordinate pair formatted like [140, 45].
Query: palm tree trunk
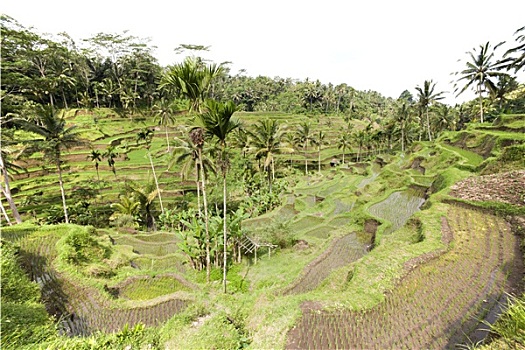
[319, 158]
[61, 183]
[205, 203]
[305, 162]
[198, 188]
[225, 235]
[269, 176]
[4, 213]
[402, 138]
[428, 127]
[480, 103]
[156, 181]
[6, 190]
[167, 139]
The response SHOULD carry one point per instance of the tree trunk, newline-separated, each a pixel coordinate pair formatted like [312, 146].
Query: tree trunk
[319, 158]
[480, 103]
[402, 138]
[4, 213]
[61, 183]
[428, 127]
[167, 139]
[197, 183]
[156, 182]
[305, 162]
[225, 235]
[6, 190]
[205, 203]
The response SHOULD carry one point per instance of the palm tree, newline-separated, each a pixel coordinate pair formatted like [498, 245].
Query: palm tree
[517, 62]
[344, 142]
[145, 196]
[110, 154]
[191, 79]
[266, 143]
[479, 73]
[241, 139]
[445, 118]
[186, 154]
[197, 138]
[6, 166]
[320, 139]
[427, 97]
[362, 137]
[217, 122]
[56, 138]
[401, 117]
[95, 156]
[165, 115]
[146, 135]
[305, 137]
[291, 141]
[6, 188]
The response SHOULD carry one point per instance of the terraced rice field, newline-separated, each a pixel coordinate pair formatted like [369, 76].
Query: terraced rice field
[83, 309]
[397, 208]
[437, 305]
[342, 252]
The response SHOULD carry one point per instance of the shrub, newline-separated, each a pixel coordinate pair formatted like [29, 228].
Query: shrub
[80, 247]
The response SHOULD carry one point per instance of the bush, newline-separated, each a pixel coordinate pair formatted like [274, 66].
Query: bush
[279, 234]
[80, 247]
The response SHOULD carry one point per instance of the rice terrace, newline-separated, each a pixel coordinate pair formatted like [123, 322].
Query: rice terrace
[183, 207]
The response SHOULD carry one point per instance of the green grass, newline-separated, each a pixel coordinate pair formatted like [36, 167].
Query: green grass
[263, 314]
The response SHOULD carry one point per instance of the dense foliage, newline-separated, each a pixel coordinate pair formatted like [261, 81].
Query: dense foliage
[191, 178]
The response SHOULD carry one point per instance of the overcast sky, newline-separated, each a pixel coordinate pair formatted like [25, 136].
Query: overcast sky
[382, 45]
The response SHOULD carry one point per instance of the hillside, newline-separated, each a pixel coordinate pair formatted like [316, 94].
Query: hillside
[390, 249]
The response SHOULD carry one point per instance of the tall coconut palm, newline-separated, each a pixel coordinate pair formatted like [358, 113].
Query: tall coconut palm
[217, 121]
[265, 142]
[426, 97]
[241, 139]
[192, 79]
[305, 137]
[164, 115]
[7, 155]
[320, 140]
[146, 136]
[111, 154]
[197, 138]
[362, 137]
[343, 142]
[480, 71]
[402, 118]
[145, 195]
[54, 137]
[95, 156]
[186, 155]
[6, 188]
[516, 62]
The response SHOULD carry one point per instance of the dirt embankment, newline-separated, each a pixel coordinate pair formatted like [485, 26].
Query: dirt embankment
[508, 187]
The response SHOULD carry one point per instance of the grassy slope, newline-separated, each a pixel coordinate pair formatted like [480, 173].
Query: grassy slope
[264, 313]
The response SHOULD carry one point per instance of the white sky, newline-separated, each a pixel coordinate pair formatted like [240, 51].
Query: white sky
[382, 45]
